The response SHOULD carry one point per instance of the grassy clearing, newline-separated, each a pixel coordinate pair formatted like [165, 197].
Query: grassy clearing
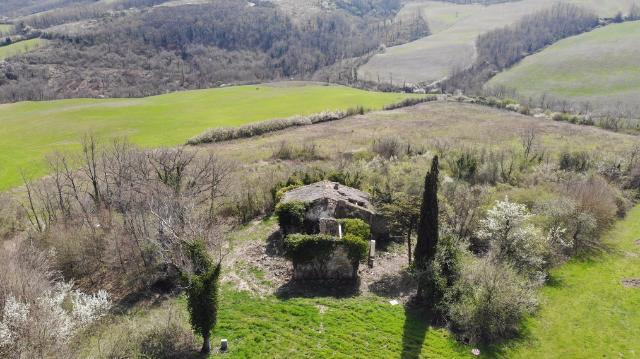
[20, 47]
[455, 28]
[29, 130]
[586, 312]
[600, 67]
[269, 327]
[327, 327]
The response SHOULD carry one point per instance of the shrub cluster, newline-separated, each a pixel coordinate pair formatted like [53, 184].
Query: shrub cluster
[575, 119]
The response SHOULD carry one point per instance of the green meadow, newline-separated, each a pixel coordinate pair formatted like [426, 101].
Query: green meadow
[19, 47]
[586, 312]
[30, 130]
[600, 66]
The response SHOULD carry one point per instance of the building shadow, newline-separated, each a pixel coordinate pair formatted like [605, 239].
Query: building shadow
[319, 288]
[416, 327]
[275, 244]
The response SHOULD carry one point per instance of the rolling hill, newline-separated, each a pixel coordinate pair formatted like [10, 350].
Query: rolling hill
[455, 28]
[600, 67]
[29, 130]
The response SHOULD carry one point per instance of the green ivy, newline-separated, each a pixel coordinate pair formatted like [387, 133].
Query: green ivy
[291, 214]
[357, 247]
[356, 227]
[304, 248]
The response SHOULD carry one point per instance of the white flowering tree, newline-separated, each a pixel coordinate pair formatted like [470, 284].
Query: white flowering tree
[513, 239]
[43, 326]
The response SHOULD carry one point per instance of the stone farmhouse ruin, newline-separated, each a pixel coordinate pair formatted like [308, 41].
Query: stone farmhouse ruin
[326, 204]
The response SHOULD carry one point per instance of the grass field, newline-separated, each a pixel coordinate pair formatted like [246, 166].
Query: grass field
[600, 67]
[29, 130]
[20, 47]
[587, 313]
[455, 28]
[5, 29]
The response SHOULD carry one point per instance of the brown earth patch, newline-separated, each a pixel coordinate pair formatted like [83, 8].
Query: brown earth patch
[631, 283]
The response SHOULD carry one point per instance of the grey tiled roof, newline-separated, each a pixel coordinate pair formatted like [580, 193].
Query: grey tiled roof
[329, 190]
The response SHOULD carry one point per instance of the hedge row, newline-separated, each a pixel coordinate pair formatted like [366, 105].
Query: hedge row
[410, 102]
[256, 129]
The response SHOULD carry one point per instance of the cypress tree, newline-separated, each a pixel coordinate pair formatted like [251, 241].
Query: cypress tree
[202, 293]
[428, 224]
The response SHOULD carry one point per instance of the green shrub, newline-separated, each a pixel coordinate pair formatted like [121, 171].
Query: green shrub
[493, 300]
[441, 275]
[575, 161]
[349, 179]
[355, 227]
[291, 214]
[280, 193]
[506, 102]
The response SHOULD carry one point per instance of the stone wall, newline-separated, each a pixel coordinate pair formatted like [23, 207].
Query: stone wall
[337, 266]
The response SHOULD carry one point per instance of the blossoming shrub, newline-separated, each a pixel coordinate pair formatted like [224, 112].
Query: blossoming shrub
[41, 320]
[514, 240]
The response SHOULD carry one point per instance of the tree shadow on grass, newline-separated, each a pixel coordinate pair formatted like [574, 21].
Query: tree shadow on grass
[394, 285]
[416, 326]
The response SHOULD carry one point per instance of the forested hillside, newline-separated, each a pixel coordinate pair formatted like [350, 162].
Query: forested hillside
[132, 48]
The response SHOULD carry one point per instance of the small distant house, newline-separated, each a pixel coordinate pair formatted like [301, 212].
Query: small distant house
[330, 212]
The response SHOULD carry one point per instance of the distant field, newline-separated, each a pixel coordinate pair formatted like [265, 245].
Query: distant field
[20, 47]
[455, 28]
[29, 130]
[601, 67]
[5, 29]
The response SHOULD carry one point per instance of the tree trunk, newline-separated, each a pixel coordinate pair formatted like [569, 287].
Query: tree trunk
[206, 344]
[409, 245]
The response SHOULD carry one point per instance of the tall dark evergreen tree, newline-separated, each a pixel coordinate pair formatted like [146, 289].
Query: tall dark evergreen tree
[428, 225]
[202, 293]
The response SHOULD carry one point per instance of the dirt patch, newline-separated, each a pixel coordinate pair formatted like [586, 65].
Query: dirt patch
[638, 242]
[631, 283]
[258, 266]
